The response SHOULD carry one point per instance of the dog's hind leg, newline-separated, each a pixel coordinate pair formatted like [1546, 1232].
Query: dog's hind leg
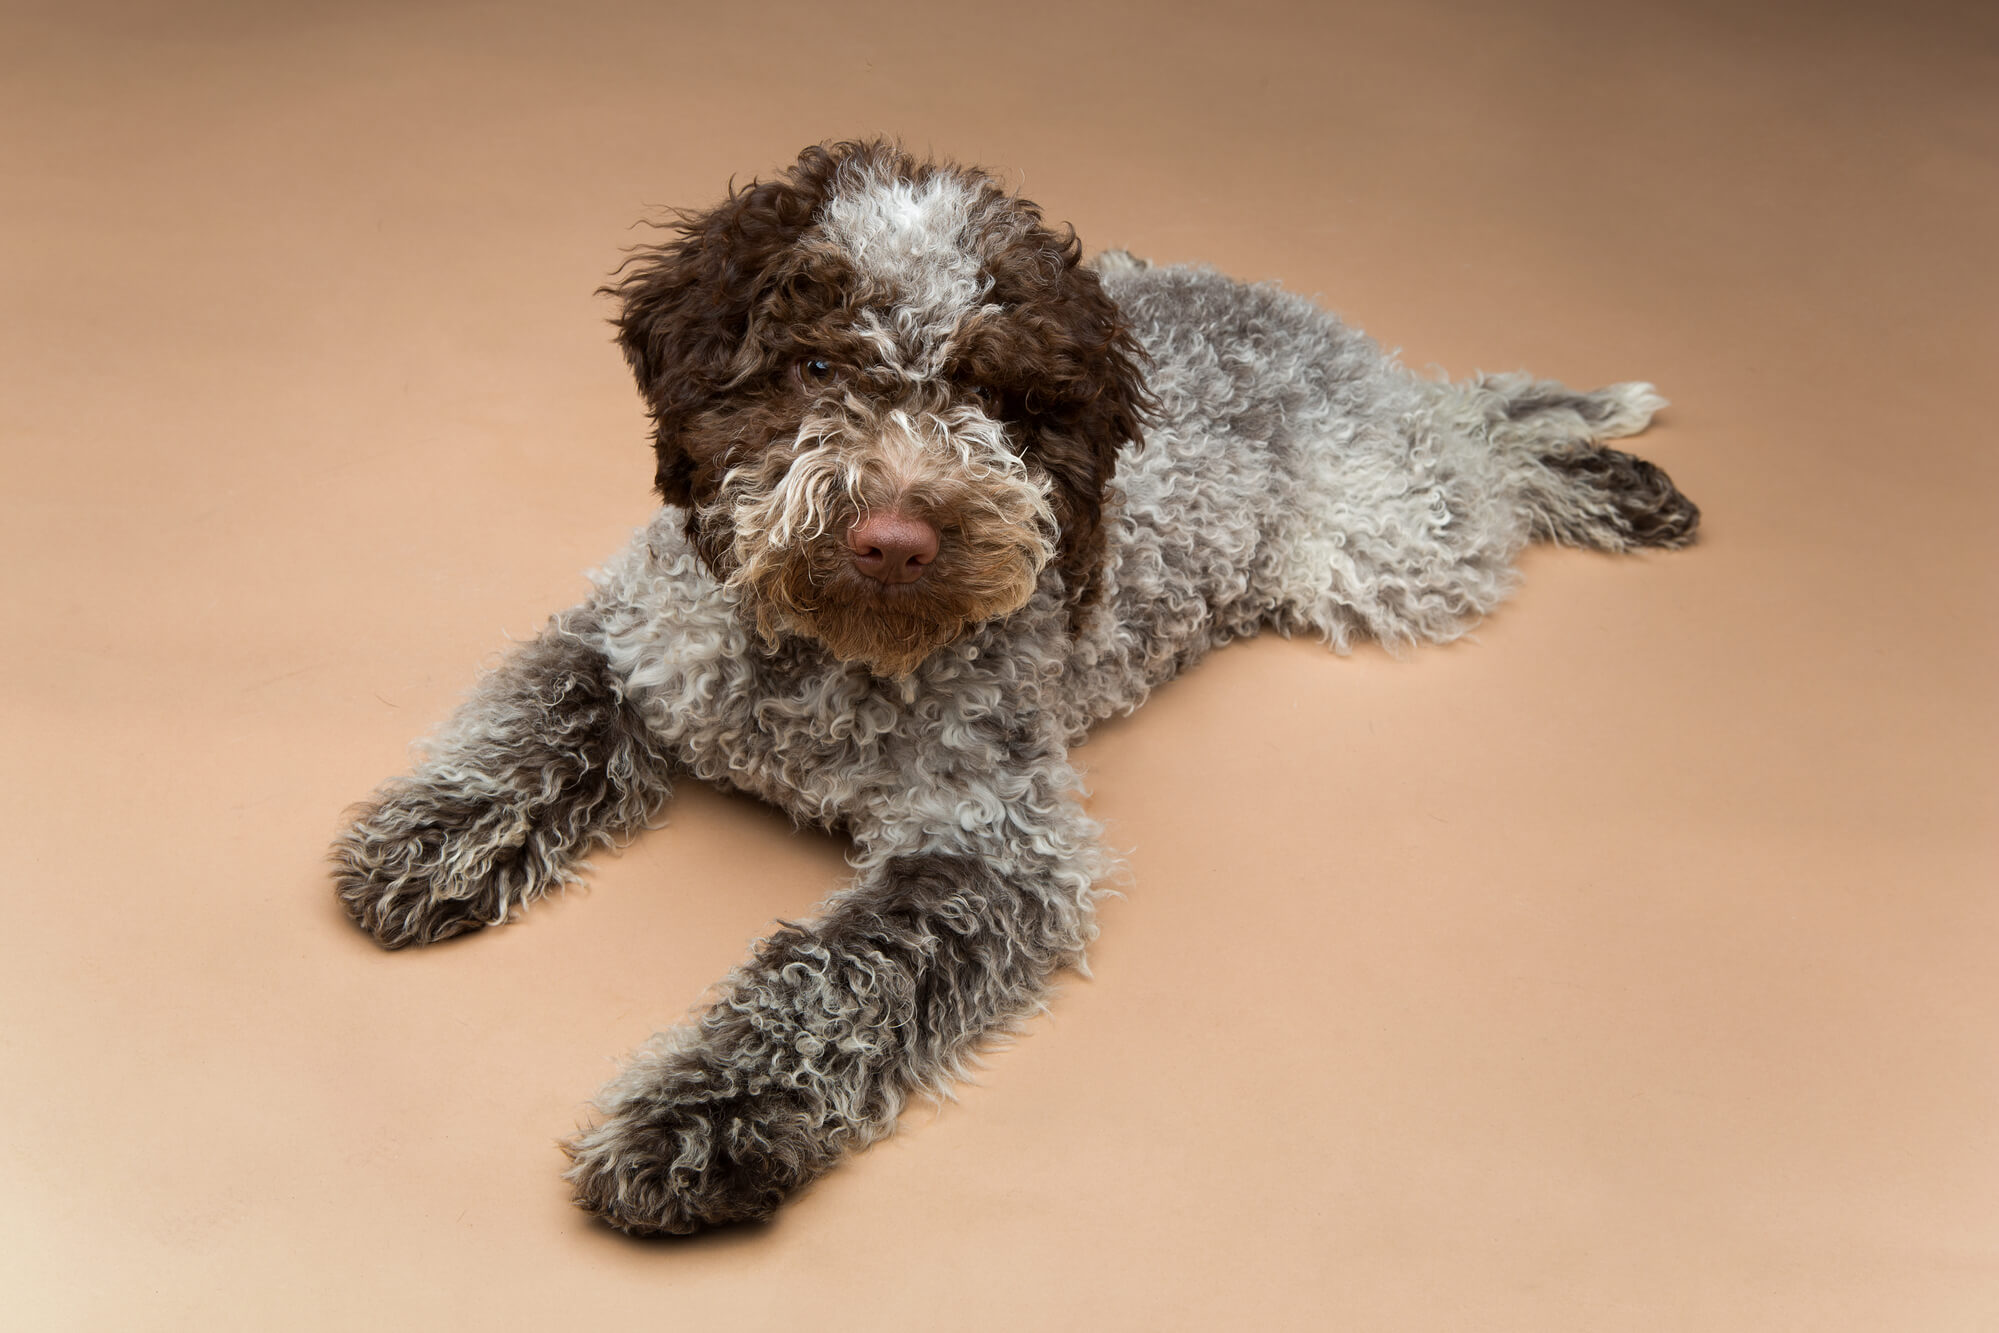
[1407, 531]
[543, 762]
[1576, 491]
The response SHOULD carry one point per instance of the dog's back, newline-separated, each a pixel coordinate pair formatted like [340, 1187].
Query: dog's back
[1296, 476]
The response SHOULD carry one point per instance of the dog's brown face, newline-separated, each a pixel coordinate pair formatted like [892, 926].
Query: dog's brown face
[888, 396]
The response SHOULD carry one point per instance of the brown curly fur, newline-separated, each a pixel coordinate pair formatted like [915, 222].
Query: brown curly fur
[715, 319]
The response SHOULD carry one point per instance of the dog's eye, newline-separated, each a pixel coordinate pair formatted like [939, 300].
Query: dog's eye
[815, 371]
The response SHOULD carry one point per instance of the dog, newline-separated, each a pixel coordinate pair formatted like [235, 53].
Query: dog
[939, 496]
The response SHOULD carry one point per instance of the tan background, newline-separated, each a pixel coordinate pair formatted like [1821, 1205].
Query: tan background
[1629, 967]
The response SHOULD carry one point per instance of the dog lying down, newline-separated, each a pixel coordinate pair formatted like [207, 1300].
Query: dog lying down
[938, 497]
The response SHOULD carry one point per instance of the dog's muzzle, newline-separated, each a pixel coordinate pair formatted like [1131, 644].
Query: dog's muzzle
[885, 536]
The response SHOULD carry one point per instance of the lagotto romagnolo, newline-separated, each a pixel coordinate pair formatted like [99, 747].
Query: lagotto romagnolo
[938, 497]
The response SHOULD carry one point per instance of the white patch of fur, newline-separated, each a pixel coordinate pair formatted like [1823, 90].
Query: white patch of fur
[913, 239]
[1640, 403]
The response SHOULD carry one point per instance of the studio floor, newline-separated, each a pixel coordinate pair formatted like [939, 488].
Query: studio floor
[1627, 965]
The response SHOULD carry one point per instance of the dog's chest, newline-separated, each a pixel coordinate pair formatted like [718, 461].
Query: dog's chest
[834, 745]
[826, 741]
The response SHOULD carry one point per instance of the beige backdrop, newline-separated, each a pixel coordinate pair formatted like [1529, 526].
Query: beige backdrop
[1630, 966]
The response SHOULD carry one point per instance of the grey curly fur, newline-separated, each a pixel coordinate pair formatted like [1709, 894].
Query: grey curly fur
[1293, 476]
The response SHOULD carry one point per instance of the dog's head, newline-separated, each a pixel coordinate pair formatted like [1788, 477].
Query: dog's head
[887, 394]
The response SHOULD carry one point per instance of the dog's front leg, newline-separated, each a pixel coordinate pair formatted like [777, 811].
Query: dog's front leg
[947, 937]
[544, 760]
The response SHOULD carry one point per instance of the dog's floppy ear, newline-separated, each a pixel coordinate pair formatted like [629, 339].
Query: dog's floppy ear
[1087, 397]
[686, 303]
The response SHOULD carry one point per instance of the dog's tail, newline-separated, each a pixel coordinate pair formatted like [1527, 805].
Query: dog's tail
[1577, 492]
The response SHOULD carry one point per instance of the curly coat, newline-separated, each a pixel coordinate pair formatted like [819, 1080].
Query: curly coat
[1127, 466]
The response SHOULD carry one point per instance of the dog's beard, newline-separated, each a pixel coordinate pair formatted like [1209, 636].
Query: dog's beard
[789, 513]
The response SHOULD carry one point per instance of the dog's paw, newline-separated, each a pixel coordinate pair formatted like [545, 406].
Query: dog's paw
[656, 1167]
[414, 870]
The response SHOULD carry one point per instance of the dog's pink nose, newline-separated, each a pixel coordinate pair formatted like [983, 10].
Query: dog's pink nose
[892, 548]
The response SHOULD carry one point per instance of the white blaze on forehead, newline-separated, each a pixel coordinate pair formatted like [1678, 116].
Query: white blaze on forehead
[915, 239]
